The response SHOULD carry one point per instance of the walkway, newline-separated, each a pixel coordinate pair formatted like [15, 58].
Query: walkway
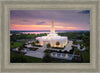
[39, 53]
[68, 46]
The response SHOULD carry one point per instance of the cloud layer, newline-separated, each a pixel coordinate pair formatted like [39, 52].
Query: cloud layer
[41, 19]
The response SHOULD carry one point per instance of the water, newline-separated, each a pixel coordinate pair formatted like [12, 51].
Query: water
[62, 56]
[29, 33]
[58, 54]
[53, 54]
[33, 32]
[44, 31]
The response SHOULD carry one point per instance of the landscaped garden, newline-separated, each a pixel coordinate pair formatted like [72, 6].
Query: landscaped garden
[33, 49]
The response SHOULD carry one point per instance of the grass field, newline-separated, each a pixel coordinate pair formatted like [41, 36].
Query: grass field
[16, 44]
[17, 58]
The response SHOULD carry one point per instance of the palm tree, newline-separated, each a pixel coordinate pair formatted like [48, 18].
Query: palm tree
[57, 43]
[37, 41]
[48, 45]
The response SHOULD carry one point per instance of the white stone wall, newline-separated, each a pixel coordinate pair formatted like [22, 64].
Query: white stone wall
[62, 40]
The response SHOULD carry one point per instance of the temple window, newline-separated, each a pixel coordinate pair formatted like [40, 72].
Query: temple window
[46, 42]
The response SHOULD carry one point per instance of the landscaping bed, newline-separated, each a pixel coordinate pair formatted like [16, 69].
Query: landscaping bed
[57, 47]
[38, 45]
[18, 52]
[33, 49]
[60, 51]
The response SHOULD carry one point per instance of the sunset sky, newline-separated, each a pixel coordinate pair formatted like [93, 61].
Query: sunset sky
[41, 19]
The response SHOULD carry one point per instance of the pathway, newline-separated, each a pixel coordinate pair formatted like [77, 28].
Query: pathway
[39, 53]
[68, 46]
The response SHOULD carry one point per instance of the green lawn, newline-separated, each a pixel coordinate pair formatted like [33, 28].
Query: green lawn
[17, 58]
[16, 44]
[86, 56]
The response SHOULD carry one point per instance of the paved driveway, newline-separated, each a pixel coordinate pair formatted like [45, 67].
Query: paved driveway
[39, 53]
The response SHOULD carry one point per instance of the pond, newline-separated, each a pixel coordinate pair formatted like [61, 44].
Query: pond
[61, 55]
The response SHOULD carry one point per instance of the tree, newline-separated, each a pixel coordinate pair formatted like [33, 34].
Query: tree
[74, 42]
[33, 43]
[13, 37]
[48, 45]
[37, 41]
[76, 52]
[24, 45]
[57, 43]
[20, 48]
[12, 45]
[47, 51]
[81, 47]
[86, 41]
[74, 47]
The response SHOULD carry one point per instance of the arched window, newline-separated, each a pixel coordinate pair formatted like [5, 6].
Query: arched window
[46, 42]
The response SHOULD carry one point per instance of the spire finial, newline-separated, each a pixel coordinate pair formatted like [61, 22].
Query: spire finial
[52, 26]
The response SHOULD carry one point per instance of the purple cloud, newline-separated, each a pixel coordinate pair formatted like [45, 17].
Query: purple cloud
[78, 18]
[40, 23]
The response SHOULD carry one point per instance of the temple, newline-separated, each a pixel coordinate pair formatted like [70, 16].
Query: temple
[52, 38]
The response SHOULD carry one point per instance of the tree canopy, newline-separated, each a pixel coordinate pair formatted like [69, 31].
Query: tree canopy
[57, 43]
[48, 45]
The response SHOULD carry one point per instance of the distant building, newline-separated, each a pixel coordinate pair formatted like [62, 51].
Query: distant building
[52, 38]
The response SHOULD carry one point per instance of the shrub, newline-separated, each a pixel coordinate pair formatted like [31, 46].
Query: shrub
[60, 51]
[33, 49]
[48, 45]
[47, 51]
[37, 41]
[38, 45]
[57, 43]
[74, 42]
[65, 51]
[33, 43]
[47, 58]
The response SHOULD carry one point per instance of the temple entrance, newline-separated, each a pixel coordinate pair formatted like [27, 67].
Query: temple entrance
[45, 44]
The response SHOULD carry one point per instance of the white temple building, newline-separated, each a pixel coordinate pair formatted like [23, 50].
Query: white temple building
[52, 38]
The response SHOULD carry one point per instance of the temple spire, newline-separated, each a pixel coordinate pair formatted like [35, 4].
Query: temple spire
[52, 26]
